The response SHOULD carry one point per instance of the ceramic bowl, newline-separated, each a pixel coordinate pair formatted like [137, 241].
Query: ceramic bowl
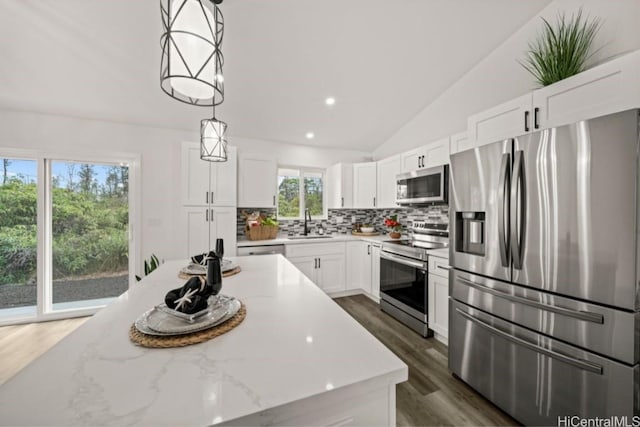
[367, 229]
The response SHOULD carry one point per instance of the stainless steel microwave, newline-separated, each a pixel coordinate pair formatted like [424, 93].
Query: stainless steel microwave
[423, 186]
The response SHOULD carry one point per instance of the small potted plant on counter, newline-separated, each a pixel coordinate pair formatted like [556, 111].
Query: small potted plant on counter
[394, 226]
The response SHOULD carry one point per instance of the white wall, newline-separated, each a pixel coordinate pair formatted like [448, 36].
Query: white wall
[298, 155]
[499, 77]
[160, 162]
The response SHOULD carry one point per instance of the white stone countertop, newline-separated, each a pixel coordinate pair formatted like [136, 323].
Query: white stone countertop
[294, 343]
[283, 240]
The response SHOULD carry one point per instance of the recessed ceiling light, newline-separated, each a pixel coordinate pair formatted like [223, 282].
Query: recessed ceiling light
[309, 135]
[330, 101]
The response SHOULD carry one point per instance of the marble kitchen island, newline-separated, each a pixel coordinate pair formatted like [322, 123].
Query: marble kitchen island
[297, 359]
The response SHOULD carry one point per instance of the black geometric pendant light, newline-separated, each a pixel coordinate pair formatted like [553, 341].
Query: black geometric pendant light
[191, 65]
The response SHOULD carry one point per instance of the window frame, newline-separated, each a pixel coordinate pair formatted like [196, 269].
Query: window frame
[44, 158]
[302, 170]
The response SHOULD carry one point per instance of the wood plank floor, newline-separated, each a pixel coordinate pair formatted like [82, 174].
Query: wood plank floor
[432, 396]
[22, 344]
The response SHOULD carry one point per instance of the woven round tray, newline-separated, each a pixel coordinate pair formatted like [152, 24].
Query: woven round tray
[153, 341]
[233, 272]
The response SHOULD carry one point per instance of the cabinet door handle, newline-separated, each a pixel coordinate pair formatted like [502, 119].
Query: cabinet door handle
[212, 197]
[536, 112]
[418, 161]
[526, 121]
[207, 197]
[342, 202]
[374, 202]
[423, 160]
[274, 200]
[211, 215]
[319, 265]
[206, 216]
[368, 249]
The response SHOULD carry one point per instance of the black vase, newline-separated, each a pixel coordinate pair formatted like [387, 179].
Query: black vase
[214, 274]
[220, 248]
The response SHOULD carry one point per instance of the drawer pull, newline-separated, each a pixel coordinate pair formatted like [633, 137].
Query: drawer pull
[579, 363]
[580, 315]
[444, 267]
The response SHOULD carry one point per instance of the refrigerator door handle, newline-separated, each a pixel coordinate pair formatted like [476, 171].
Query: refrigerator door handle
[579, 363]
[503, 208]
[518, 210]
[580, 315]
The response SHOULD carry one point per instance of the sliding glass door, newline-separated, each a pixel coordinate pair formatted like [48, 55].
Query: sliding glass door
[90, 220]
[18, 237]
[64, 236]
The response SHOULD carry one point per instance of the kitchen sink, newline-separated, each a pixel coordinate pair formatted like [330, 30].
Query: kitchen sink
[310, 236]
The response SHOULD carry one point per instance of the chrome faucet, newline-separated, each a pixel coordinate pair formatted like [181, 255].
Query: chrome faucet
[307, 215]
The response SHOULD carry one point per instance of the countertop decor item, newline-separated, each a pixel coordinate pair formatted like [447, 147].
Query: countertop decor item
[260, 227]
[394, 226]
[149, 265]
[561, 51]
[362, 233]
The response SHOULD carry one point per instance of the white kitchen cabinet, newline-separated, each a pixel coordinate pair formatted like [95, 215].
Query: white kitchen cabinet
[340, 186]
[507, 120]
[435, 153]
[364, 185]
[322, 263]
[387, 171]
[203, 225]
[438, 296]
[460, 142]
[359, 265]
[412, 160]
[375, 270]
[257, 181]
[363, 267]
[605, 89]
[208, 183]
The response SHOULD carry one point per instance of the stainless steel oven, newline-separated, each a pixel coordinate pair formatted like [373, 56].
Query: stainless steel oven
[423, 186]
[403, 290]
[404, 275]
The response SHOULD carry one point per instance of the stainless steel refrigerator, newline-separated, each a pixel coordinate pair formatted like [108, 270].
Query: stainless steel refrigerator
[544, 295]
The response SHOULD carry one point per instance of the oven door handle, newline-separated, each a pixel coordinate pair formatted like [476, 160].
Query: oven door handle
[404, 261]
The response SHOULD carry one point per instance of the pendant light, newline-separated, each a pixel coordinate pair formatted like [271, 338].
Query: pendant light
[213, 140]
[191, 65]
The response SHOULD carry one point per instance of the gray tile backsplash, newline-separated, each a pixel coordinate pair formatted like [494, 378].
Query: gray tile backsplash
[340, 220]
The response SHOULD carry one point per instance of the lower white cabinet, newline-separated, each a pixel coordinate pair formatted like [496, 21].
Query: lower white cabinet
[439, 296]
[322, 263]
[203, 225]
[363, 267]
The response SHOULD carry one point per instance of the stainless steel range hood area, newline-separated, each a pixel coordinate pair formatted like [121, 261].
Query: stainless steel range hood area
[544, 297]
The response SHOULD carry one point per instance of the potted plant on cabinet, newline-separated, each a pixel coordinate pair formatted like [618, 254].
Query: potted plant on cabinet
[394, 226]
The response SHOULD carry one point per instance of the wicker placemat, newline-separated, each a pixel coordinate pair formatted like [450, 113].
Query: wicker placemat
[228, 273]
[154, 341]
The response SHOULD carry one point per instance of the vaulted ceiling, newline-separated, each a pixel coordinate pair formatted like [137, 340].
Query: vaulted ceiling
[383, 61]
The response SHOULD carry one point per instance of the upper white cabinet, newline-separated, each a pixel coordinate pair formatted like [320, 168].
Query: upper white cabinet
[340, 186]
[460, 142]
[208, 183]
[503, 121]
[605, 89]
[388, 169]
[435, 153]
[364, 185]
[257, 181]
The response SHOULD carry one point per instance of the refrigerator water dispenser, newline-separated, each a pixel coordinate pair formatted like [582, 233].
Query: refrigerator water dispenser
[470, 232]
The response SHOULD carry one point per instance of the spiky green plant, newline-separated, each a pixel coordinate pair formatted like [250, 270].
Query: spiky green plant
[561, 51]
[149, 266]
